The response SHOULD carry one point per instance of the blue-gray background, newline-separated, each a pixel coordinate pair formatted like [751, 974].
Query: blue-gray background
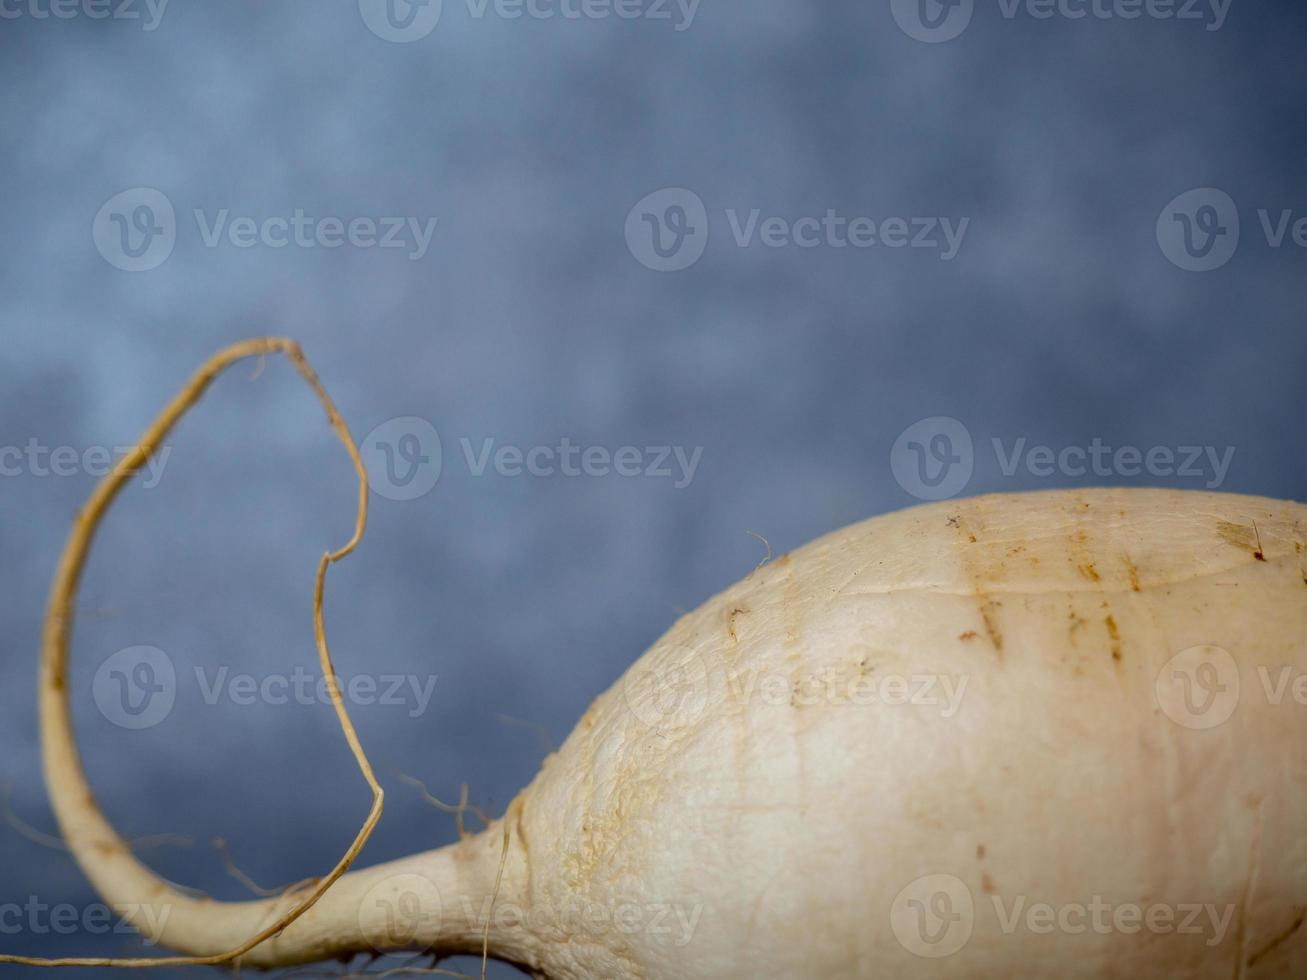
[529, 320]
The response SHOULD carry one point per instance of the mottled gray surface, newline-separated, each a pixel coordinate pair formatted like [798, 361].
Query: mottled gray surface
[529, 320]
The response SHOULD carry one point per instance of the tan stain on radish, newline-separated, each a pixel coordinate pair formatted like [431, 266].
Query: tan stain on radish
[980, 573]
[731, 614]
[1114, 633]
[792, 608]
[1242, 536]
[1133, 572]
[1300, 916]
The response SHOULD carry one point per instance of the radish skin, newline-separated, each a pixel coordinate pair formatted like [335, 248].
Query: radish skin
[972, 710]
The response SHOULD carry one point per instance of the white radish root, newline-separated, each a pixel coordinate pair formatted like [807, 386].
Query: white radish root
[883, 755]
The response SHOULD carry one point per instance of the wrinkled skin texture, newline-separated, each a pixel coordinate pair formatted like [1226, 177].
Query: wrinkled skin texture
[755, 798]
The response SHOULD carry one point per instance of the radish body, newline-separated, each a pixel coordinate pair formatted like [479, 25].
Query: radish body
[882, 755]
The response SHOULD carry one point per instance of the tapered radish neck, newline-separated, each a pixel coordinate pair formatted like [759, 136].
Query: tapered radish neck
[1051, 734]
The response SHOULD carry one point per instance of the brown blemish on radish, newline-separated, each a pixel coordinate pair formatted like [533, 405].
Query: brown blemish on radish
[1133, 572]
[1115, 634]
[1243, 536]
[730, 624]
[988, 614]
[1279, 940]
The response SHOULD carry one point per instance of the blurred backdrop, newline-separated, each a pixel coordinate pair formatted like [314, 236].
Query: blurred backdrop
[609, 299]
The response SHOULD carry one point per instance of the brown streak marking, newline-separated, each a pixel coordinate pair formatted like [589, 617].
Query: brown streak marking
[1278, 940]
[1115, 634]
